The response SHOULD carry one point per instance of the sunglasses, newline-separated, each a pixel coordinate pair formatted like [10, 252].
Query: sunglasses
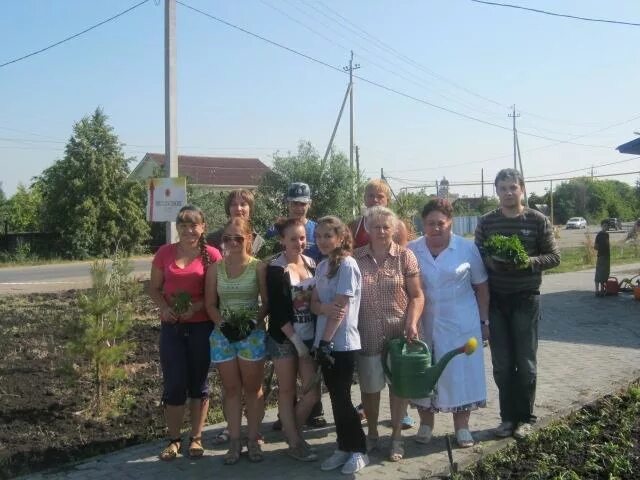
[232, 238]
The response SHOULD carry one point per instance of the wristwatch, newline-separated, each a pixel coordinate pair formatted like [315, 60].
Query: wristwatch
[484, 322]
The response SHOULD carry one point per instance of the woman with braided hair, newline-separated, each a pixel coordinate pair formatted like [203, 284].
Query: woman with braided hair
[177, 288]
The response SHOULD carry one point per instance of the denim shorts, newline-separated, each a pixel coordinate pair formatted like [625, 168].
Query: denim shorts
[276, 350]
[252, 348]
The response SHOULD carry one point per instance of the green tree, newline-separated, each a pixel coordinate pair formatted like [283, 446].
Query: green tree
[88, 200]
[329, 185]
[99, 335]
[594, 199]
[23, 209]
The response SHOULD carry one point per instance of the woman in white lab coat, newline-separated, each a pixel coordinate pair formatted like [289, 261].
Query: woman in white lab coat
[456, 308]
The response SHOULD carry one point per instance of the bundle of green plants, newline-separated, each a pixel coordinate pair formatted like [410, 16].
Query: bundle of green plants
[237, 323]
[181, 302]
[506, 249]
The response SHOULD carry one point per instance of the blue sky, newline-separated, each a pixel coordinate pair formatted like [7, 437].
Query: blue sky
[239, 96]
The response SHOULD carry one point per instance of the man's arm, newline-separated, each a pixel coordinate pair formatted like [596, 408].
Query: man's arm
[549, 256]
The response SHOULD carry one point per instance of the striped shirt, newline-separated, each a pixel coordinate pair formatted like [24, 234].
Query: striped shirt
[535, 233]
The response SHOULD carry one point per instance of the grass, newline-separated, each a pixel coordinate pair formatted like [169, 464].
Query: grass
[580, 258]
[601, 441]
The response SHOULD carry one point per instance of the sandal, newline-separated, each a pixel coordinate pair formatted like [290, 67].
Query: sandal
[397, 451]
[196, 450]
[424, 435]
[222, 437]
[255, 451]
[372, 443]
[464, 438]
[302, 453]
[233, 454]
[171, 451]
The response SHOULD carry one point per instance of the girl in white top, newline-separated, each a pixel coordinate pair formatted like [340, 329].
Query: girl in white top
[336, 301]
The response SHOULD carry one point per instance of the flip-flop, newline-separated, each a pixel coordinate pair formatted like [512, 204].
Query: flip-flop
[397, 451]
[464, 438]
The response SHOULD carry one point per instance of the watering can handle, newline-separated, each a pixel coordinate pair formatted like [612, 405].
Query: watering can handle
[408, 346]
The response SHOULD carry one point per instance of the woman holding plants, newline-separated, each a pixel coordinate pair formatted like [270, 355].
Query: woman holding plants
[177, 288]
[456, 308]
[233, 286]
[290, 281]
[392, 302]
[336, 301]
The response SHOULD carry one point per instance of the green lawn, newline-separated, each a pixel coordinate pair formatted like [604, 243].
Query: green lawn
[576, 258]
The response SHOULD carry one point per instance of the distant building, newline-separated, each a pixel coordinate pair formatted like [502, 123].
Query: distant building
[443, 190]
[211, 173]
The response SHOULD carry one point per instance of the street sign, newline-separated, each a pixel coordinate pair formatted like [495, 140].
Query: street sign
[165, 198]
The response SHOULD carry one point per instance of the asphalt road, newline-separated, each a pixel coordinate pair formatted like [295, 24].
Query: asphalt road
[65, 276]
[576, 237]
[59, 276]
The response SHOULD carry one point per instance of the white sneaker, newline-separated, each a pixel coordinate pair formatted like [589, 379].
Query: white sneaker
[357, 461]
[424, 434]
[334, 461]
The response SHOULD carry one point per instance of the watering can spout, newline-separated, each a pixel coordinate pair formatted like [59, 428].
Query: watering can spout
[433, 374]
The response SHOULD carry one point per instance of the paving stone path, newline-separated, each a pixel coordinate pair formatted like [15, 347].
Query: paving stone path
[588, 347]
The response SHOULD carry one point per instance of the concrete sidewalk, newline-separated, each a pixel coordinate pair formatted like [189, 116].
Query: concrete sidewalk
[588, 347]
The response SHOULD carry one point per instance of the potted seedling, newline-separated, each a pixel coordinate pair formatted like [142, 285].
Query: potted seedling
[238, 323]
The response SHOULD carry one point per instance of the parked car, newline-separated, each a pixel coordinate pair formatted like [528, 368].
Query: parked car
[576, 222]
[613, 224]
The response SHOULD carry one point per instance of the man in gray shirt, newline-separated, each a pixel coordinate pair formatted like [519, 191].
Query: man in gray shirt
[514, 309]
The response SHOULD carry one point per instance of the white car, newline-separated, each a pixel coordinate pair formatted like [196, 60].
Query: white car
[576, 222]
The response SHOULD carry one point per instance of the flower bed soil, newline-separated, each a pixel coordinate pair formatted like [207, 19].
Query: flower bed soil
[45, 414]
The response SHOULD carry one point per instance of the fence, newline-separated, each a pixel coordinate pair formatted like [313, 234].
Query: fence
[31, 241]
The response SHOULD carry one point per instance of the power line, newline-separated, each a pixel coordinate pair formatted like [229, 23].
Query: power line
[545, 12]
[407, 59]
[428, 183]
[74, 35]
[377, 84]
[587, 168]
[416, 80]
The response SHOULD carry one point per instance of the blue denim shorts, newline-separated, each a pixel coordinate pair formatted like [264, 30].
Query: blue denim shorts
[252, 348]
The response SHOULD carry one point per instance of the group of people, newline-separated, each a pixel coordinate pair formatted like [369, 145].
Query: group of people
[328, 301]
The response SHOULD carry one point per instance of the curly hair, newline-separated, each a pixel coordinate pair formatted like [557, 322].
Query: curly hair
[344, 249]
[192, 214]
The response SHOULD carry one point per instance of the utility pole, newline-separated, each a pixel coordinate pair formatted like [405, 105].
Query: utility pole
[357, 168]
[350, 69]
[335, 129]
[514, 115]
[482, 183]
[551, 200]
[170, 103]
[526, 200]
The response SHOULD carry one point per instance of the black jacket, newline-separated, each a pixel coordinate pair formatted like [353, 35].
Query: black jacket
[280, 301]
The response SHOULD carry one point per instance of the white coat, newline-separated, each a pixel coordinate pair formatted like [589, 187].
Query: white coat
[450, 318]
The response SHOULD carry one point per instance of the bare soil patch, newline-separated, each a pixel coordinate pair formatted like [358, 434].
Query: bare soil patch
[44, 398]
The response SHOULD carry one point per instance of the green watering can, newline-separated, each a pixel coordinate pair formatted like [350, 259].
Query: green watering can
[408, 366]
